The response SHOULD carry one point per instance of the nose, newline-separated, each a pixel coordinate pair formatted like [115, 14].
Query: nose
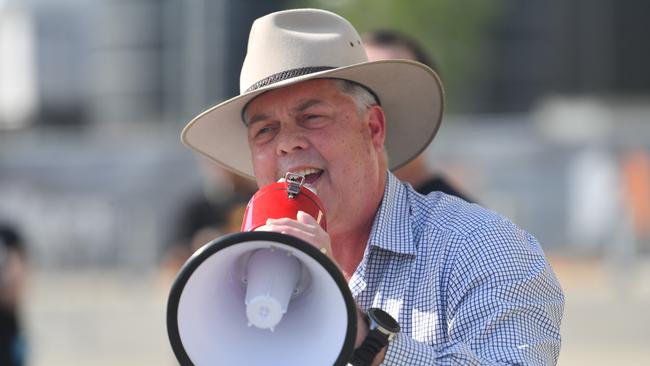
[290, 140]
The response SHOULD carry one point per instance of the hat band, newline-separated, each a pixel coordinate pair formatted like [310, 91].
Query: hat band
[288, 74]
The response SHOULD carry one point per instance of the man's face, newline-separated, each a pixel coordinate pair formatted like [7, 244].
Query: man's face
[314, 129]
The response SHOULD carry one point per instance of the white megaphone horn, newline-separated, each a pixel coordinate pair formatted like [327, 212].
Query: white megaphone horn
[263, 298]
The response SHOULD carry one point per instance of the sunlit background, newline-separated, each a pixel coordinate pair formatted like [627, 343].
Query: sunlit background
[547, 122]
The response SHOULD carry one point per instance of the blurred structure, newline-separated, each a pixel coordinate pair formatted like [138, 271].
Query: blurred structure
[635, 174]
[18, 97]
[503, 56]
[570, 47]
[114, 82]
[96, 171]
[594, 201]
[389, 44]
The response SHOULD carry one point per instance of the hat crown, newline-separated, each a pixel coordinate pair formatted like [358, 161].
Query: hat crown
[294, 40]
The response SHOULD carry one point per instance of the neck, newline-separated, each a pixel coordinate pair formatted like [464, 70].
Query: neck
[349, 241]
[348, 249]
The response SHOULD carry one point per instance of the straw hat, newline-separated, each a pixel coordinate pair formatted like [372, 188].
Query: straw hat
[288, 47]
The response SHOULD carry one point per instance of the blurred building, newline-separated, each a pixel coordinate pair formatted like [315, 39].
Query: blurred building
[113, 61]
[113, 81]
[94, 177]
[564, 47]
[109, 62]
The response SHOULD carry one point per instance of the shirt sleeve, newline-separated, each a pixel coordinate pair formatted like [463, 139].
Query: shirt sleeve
[504, 305]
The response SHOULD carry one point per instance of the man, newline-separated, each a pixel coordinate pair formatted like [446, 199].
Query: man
[386, 44]
[207, 213]
[12, 278]
[465, 285]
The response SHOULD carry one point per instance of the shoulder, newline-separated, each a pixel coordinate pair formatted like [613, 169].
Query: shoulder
[448, 213]
[440, 222]
[468, 227]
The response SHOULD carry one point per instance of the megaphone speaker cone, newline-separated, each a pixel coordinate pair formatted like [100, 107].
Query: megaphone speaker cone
[232, 292]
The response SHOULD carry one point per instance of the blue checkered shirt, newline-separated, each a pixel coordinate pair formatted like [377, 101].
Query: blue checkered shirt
[467, 286]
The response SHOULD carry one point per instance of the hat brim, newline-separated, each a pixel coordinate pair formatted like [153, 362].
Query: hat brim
[410, 94]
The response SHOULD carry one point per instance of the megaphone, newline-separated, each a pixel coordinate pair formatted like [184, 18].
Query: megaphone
[263, 298]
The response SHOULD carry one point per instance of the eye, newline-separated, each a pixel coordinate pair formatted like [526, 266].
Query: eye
[263, 132]
[313, 120]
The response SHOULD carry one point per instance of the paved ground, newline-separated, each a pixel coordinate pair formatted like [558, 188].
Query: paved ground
[607, 315]
[100, 319]
[104, 318]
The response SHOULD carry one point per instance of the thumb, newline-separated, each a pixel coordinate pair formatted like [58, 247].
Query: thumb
[305, 218]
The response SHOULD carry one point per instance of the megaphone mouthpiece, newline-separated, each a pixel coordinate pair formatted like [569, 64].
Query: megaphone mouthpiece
[271, 279]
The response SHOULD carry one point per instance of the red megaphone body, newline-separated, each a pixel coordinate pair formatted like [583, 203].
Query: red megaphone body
[283, 199]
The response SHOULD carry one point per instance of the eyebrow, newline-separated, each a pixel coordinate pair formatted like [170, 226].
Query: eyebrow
[307, 104]
[300, 108]
[256, 118]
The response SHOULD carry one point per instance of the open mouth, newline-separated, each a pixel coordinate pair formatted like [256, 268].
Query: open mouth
[311, 175]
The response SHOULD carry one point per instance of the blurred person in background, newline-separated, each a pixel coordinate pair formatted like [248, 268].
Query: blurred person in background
[12, 277]
[635, 176]
[383, 44]
[207, 213]
[465, 285]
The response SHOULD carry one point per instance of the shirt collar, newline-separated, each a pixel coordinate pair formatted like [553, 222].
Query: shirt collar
[392, 228]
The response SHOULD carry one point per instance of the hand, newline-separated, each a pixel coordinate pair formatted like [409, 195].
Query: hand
[305, 227]
[362, 332]
[362, 328]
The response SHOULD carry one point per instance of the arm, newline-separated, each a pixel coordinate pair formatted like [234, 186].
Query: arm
[504, 305]
[306, 228]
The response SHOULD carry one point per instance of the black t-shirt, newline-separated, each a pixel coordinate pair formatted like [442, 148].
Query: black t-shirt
[438, 183]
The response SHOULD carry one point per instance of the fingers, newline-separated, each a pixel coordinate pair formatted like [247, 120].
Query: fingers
[302, 222]
[289, 230]
[301, 217]
[289, 226]
[303, 227]
[306, 218]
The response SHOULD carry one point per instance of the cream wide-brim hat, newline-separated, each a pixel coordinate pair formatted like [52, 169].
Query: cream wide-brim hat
[288, 47]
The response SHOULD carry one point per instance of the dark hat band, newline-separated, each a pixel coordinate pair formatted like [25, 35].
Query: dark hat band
[288, 74]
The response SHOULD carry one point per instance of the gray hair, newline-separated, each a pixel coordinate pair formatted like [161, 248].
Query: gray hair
[362, 96]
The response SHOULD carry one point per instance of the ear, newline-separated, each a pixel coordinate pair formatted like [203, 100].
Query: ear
[377, 126]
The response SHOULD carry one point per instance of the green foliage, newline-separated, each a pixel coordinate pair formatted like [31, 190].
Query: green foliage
[452, 31]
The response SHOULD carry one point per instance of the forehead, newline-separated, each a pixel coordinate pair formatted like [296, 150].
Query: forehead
[321, 89]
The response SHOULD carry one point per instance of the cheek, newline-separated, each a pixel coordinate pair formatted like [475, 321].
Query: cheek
[264, 166]
[357, 152]
[352, 169]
